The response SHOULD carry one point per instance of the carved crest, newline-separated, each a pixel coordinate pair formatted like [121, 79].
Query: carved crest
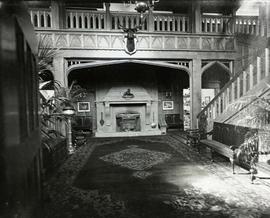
[130, 39]
[128, 94]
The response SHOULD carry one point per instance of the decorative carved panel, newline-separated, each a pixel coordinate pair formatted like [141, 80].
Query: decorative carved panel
[170, 43]
[75, 41]
[182, 42]
[143, 42]
[157, 42]
[206, 43]
[47, 40]
[103, 41]
[89, 41]
[229, 44]
[194, 43]
[219, 43]
[117, 42]
[61, 40]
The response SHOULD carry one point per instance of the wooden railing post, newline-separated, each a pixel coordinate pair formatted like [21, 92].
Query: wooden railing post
[151, 26]
[58, 15]
[108, 17]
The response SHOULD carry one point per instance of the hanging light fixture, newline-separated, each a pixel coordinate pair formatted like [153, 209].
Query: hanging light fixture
[142, 6]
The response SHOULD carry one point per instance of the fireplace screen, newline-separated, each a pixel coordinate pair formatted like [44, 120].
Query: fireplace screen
[126, 122]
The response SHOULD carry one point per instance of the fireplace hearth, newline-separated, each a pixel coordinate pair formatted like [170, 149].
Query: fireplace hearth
[128, 122]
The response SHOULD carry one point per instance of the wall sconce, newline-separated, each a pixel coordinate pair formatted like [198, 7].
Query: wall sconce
[168, 94]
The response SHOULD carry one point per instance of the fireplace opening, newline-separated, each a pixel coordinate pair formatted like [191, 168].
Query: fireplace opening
[128, 122]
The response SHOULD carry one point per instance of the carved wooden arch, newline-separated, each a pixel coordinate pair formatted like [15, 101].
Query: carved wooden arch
[210, 64]
[115, 62]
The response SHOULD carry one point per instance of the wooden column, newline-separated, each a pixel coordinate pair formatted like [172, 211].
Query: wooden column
[195, 87]
[58, 18]
[196, 16]
[108, 22]
[151, 24]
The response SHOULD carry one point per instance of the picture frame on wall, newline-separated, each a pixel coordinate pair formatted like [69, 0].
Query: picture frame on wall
[83, 106]
[167, 105]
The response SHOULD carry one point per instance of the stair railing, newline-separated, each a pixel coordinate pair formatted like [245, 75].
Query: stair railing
[237, 87]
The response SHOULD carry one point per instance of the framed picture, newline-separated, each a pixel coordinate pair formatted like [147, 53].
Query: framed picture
[83, 106]
[167, 105]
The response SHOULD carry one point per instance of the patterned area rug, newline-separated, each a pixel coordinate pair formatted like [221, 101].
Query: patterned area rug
[138, 159]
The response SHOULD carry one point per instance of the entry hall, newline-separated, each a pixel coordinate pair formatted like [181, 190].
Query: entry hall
[134, 108]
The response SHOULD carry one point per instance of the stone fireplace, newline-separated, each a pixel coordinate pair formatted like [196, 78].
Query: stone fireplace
[127, 111]
[126, 122]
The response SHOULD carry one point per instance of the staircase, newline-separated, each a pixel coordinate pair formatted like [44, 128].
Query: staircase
[246, 88]
[245, 99]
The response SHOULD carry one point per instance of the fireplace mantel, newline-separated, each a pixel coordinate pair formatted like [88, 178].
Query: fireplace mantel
[116, 102]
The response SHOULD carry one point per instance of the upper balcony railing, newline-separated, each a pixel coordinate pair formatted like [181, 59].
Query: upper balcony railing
[79, 19]
[250, 25]
[126, 20]
[41, 18]
[171, 23]
[217, 24]
[85, 19]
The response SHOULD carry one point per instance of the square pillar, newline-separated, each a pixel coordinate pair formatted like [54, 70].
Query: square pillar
[196, 21]
[195, 87]
[58, 15]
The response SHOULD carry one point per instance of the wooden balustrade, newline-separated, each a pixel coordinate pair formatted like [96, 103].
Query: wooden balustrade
[171, 23]
[216, 24]
[238, 86]
[130, 20]
[250, 25]
[85, 19]
[160, 22]
[41, 18]
[247, 25]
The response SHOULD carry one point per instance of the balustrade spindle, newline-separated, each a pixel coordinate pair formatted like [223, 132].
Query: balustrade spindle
[38, 19]
[238, 88]
[251, 82]
[184, 24]
[219, 106]
[223, 101]
[77, 20]
[205, 25]
[212, 111]
[228, 97]
[233, 91]
[244, 82]
[258, 69]
[83, 21]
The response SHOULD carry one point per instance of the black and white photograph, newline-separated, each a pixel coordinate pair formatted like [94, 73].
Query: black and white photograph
[167, 105]
[134, 108]
[83, 106]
